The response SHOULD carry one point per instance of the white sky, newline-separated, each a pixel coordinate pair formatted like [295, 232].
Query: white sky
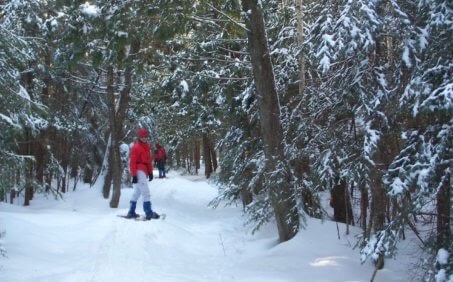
[80, 239]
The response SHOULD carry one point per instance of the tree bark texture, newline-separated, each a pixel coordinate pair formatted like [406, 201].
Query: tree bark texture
[117, 115]
[114, 169]
[110, 95]
[213, 155]
[282, 196]
[300, 40]
[207, 156]
[364, 208]
[341, 203]
[196, 155]
[444, 214]
[109, 175]
[28, 171]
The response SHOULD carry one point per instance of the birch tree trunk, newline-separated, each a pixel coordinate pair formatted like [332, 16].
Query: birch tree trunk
[278, 173]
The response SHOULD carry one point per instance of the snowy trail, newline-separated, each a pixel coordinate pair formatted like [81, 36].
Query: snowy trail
[154, 249]
[80, 239]
[143, 249]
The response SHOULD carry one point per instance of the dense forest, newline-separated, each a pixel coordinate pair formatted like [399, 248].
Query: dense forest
[278, 101]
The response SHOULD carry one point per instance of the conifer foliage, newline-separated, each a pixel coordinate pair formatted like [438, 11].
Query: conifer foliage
[291, 98]
[373, 59]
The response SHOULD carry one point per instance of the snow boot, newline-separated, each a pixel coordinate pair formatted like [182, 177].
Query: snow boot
[131, 213]
[154, 215]
[149, 212]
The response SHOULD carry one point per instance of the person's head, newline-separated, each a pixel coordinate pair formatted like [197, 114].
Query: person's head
[143, 135]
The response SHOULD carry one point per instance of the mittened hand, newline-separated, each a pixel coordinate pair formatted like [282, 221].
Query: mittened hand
[150, 177]
[134, 179]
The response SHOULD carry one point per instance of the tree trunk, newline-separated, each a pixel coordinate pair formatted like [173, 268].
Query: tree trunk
[341, 203]
[116, 176]
[28, 182]
[378, 206]
[278, 173]
[12, 195]
[114, 168]
[87, 174]
[48, 180]
[207, 156]
[300, 40]
[213, 155]
[114, 165]
[364, 209]
[117, 120]
[40, 156]
[443, 214]
[28, 174]
[108, 176]
[196, 155]
[378, 196]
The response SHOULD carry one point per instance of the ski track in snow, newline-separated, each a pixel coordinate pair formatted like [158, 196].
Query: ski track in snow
[144, 250]
[80, 239]
[148, 249]
[152, 249]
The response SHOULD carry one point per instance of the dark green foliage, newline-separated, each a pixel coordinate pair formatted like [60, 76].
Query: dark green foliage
[377, 100]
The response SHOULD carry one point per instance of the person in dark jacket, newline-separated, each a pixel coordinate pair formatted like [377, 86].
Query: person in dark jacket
[160, 159]
[341, 203]
[141, 169]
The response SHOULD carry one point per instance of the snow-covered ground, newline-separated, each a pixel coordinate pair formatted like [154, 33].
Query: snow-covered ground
[81, 239]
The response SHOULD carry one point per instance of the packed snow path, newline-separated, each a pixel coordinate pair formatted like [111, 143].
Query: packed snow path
[81, 239]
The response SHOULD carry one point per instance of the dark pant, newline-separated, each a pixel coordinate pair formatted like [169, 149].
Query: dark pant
[161, 171]
[161, 168]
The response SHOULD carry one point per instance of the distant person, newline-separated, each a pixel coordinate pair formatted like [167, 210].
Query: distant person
[160, 159]
[141, 169]
[341, 203]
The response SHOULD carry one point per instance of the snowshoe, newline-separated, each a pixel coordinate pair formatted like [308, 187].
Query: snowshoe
[129, 216]
[154, 215]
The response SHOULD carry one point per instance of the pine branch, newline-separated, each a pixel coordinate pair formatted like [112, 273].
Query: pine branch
[228, 17]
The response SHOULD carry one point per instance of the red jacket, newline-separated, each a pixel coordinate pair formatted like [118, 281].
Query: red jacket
[160, 155]
[140, 159]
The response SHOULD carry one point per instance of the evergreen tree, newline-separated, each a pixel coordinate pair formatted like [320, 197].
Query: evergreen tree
[420, 176]
[367, 52]
[23, 116]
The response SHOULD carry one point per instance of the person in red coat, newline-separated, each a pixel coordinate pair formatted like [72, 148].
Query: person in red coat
[141, 169]
[160, 158]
